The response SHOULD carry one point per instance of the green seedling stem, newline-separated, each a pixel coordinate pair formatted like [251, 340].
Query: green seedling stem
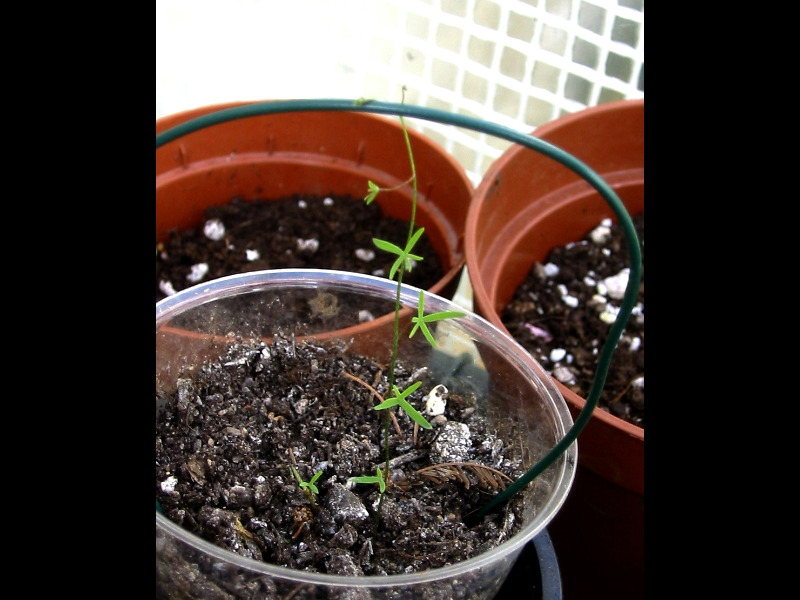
[403, 262]
[309, 486]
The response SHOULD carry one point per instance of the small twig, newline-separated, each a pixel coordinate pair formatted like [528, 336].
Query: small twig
[378, 396]
[294, 592]
[487, 476]
[404, 459]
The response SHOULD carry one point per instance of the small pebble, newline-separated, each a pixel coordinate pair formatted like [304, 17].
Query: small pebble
[452, 444]
[345, 505]
[436, 402]
[564, 375]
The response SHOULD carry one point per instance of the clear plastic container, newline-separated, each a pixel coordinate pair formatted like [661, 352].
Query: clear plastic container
[510, 385]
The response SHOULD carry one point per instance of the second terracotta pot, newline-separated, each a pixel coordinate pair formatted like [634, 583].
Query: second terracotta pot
[526, 205]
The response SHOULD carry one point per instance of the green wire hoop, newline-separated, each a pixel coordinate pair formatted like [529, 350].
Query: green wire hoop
[506, 133]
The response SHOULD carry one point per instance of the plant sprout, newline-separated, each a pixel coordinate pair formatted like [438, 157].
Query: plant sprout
[308, 487]
[377, 478]
[421, 320]
[404, 262]
[399, 399]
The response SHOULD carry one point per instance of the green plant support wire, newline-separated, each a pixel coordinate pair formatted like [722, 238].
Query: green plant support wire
[524, 139]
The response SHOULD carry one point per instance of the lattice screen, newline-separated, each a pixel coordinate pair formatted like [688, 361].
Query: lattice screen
[519, 63]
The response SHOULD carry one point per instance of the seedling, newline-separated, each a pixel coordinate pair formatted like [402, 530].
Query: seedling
[404, 256]
[421, 320]
[308, 487]
[377, 478]
[399, 399]
[404, 262]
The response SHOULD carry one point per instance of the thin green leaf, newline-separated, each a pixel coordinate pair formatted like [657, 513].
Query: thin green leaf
[374, 190]
[399, 398]
[388, 246]
[404, 257]
[427, 333]
[372, 479]
[443, 314]
[414, 239]
[421, 320]
[387, 404]
[415, 415]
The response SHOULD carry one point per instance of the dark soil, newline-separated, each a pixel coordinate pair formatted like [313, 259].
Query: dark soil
[333, 232]
[558, 315]
[225, 441]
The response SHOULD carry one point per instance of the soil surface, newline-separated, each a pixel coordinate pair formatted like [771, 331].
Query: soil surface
[228, 438]
[564, 309]
[333, 232]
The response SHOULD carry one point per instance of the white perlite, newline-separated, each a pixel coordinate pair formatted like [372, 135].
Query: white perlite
[609, 314]
[365, 254]
[616, 284]
[436, 403]
[601, 233]
[166, 288]
[252, 255]
[197, 272]
[214, 229]
[168, 485]
[311, 245]
[548, 270]
[570, 300]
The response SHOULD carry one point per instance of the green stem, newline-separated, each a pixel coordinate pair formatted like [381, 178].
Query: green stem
[396, 335]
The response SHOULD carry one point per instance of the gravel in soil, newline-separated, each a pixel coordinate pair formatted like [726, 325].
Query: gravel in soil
[563, 310]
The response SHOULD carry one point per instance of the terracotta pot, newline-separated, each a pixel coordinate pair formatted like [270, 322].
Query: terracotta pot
[526, 205]
[312, 152]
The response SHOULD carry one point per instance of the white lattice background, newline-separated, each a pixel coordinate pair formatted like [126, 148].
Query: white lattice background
[519, 63]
